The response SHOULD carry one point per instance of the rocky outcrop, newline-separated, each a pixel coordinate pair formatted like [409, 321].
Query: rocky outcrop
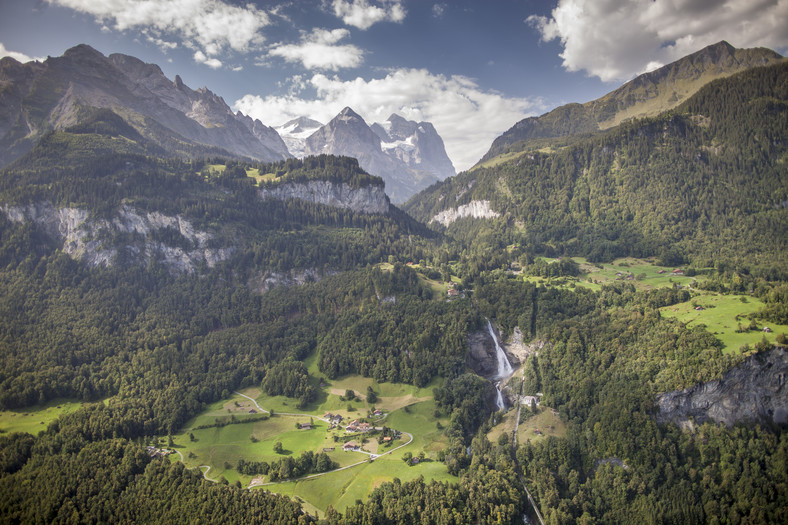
[755, 390]
[404, 162]
[476, 209]
[59, 92]
[481, 356]
[270, 280]
[367, 199]
[518, 350]
[131, 233]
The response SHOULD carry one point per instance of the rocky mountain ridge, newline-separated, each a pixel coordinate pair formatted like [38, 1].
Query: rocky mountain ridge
[408, 155]
[57, 93]
[647, 95]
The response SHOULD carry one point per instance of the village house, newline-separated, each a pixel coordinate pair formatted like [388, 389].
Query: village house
[364, 427]
[349, 446]
[306, 426]
[386, 439]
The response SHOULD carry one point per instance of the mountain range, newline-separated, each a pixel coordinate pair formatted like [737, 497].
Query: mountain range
[161, 291]
[646, 95]
[408, 155]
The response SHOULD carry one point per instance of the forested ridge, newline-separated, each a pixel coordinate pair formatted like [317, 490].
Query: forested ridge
[704, 183]
[148, 348]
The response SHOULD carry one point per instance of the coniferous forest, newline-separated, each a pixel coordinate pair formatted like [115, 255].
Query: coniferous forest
[147, 347]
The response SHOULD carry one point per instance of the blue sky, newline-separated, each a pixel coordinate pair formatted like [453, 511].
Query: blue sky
[472, 68]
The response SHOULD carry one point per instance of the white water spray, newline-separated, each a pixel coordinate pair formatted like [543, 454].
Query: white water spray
[504, 368]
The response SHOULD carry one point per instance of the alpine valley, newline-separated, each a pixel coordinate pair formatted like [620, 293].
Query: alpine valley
[209, 319]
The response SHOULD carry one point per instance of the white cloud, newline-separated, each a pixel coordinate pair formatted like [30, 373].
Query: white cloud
[467, 117]
[200, 58]
[363, 15]
[319, 50]
[438, 10]
[211, 26]
[617, 39]
[21, 57]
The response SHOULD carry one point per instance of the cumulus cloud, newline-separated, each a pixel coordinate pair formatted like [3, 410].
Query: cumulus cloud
[363, 15]
[210, 26]
[617, 39]
[320, 50]
[200, 58]
[21, 57]
[467, 117]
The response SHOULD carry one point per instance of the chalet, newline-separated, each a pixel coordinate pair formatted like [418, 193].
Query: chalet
[377, 412]
[414, 461]
[453, 292]
[386, 439]
[364, 427]
[528, 400]
[328, 449]
[767, 330]
[661, 272]
[306, 426]
[699, 308]
[253, 411]
[350, 445]
[328, 415]
[678, 271]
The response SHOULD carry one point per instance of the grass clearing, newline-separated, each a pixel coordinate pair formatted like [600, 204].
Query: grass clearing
[718, 313]
[36, 418]
[406, 407]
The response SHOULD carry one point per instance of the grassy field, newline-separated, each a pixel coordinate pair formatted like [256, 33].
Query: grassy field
[645, 275]
[406, 408]
[35, 419]
[535, 428]
[719, 314]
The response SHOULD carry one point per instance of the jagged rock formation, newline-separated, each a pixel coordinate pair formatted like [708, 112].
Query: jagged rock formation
[518, 350]
[295, 132]
[644, 96]
[756, 390]
[367, 199]
[93, 241]
[405, 162]
[416, 144]
[477, 209]
[58, 93]
[269, 280]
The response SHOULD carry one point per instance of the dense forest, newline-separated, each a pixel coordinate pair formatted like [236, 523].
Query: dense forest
[663, 186]
[147, 348]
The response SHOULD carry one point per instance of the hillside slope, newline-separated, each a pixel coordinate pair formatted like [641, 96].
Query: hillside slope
[647, 95]
[707, 181]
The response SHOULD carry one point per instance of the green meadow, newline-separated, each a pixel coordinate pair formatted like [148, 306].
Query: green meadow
[36, 418]
[235, 430]
[724, 316]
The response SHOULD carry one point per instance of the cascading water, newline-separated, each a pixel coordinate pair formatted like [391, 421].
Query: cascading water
[504, 367]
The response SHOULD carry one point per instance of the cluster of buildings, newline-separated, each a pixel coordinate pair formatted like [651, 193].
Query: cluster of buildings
[355, 426]
[334, 420]
[155, 452]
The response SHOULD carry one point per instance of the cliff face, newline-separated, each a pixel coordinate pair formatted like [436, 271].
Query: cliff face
[99, 242]
[756, 390]
[368, 199]
[476, 209]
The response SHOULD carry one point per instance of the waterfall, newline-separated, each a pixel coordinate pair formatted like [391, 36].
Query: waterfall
[504, 367]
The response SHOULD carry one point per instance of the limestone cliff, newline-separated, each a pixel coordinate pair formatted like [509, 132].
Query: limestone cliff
[367, 199]
[476, 209]
[756, 390]
[99, 242]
